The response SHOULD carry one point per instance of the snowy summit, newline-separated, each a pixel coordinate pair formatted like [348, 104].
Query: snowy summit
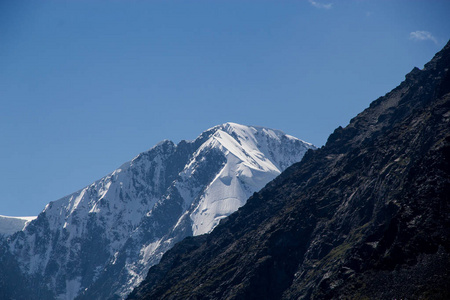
[100, 242]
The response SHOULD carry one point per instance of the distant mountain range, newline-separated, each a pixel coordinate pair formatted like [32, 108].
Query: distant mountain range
[99, 242]
[367, 216]
[10, 225]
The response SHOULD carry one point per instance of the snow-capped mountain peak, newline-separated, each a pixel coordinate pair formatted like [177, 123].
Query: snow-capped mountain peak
[253, 157]
[109, 233]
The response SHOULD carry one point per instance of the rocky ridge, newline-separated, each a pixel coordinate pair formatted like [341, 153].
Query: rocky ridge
[367, 216]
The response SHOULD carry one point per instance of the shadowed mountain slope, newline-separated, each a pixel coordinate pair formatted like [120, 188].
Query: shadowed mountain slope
[365, 216]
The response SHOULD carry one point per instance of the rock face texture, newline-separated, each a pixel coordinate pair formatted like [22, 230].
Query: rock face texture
[99, 242]
[367, 216]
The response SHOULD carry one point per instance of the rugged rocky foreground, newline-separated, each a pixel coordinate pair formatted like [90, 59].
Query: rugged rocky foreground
[365, 216]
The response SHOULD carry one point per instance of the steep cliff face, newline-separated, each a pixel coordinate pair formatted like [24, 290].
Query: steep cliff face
[99, 242]
[365, 216]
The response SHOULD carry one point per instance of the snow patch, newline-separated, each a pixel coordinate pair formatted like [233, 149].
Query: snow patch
[72, 289]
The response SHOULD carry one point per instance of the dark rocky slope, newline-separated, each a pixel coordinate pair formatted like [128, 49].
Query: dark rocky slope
[365, 216]
[14, 285]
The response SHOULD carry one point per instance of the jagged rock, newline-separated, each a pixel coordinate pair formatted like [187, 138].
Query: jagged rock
[367, 216]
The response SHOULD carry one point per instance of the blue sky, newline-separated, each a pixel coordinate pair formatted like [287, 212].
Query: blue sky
[87, 85]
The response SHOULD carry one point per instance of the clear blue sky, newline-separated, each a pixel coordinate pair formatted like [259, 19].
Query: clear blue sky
[87, 85]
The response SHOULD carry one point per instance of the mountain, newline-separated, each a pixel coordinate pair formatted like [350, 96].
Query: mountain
[367, 216]
[100, 241]
[10, 225]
